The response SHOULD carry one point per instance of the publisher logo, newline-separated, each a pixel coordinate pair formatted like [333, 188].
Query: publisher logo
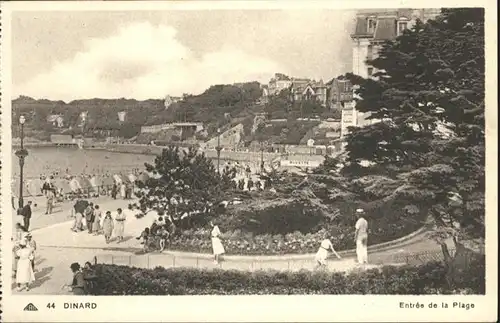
[30, 307]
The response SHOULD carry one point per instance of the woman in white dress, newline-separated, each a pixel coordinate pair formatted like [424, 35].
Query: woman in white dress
[322, 254]
[217, 246]
[122, 190]
[24, 274]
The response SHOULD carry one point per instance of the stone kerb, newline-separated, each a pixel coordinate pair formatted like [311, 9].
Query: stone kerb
[242, 262]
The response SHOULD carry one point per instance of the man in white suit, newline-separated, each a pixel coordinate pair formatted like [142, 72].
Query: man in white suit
[361, 237]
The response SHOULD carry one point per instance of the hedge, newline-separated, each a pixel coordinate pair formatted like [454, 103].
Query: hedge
[243, 230]
[425, 279]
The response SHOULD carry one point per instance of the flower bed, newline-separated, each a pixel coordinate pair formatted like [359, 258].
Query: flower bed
[425, 279]
[384, 225]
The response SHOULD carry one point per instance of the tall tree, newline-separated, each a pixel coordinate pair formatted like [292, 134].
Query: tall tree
[428, 94]
[183, 181]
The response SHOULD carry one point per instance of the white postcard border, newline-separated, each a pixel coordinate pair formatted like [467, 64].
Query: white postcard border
[249, 308]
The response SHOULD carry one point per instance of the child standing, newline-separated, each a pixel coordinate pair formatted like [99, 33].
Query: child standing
[96, 225]
[107, 226]
[145, 237]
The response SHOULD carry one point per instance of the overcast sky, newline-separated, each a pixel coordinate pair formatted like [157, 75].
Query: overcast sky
[141, 55]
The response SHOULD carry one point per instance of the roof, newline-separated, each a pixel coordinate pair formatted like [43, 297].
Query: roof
[281, 77]
[386, 29]
[53, 117]
[361, 26]
[386, 22]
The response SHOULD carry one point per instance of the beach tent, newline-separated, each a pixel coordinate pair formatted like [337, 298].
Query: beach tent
[98, 180]
[64, 185]
[15, 188]
[34, 187]
[74, 185]
[84, 182]
[94, 185]
[143, 177]
[117, 178]
[107, 181]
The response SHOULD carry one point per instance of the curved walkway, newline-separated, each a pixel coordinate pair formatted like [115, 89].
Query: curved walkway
[59, 247]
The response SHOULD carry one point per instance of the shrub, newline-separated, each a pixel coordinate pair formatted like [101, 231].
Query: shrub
[289, 227]
[425, 279]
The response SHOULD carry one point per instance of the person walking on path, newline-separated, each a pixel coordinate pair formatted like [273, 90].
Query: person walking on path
[114, 191]
[31, 244]
[361, 237]
[89, 216]
[26, 213]
[107, 226]
[78, 225]
[24, 275]
[120, 224]
[96, 224]
[50, 195]
[322, 254]
[218, 248]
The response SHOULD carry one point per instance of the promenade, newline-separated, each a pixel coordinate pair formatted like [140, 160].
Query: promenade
[58, 247]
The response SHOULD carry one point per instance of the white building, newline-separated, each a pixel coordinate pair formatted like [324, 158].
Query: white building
[278, 83]
[373, 28]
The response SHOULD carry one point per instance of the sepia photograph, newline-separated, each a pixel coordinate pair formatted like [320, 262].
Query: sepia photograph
[246, 152]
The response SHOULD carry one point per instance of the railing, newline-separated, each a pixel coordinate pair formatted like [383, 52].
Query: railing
[99, 172]
[420, 258]
[166, 260]
[151, 261]
[87, 192]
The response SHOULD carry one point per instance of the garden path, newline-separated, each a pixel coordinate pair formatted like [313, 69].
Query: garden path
[59, 247]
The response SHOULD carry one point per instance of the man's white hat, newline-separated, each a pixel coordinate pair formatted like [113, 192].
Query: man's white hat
[360, 211]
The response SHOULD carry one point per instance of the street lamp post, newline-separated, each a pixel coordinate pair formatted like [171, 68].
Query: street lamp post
[21, 154]
[262, 157]
[218, 148]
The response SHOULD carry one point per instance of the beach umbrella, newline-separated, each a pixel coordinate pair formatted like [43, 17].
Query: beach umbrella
[34, 187]
[81, 205]
[132, 178]
[84, 182]
[94, 184]
[143, 177]
[117, 179]
[124, 178]
[107, 181]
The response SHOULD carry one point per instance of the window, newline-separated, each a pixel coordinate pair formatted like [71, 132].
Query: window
[402, 26]
[372, 23]
[369, 54]
[370, 71]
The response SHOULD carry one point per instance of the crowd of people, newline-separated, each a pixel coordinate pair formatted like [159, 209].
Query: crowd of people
[59, 189]
[89, 217]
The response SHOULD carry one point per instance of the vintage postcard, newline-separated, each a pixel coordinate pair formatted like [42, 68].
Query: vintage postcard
[234, 161]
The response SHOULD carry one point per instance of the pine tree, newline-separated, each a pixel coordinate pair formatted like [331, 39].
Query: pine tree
[183, 181]
[428, 94]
